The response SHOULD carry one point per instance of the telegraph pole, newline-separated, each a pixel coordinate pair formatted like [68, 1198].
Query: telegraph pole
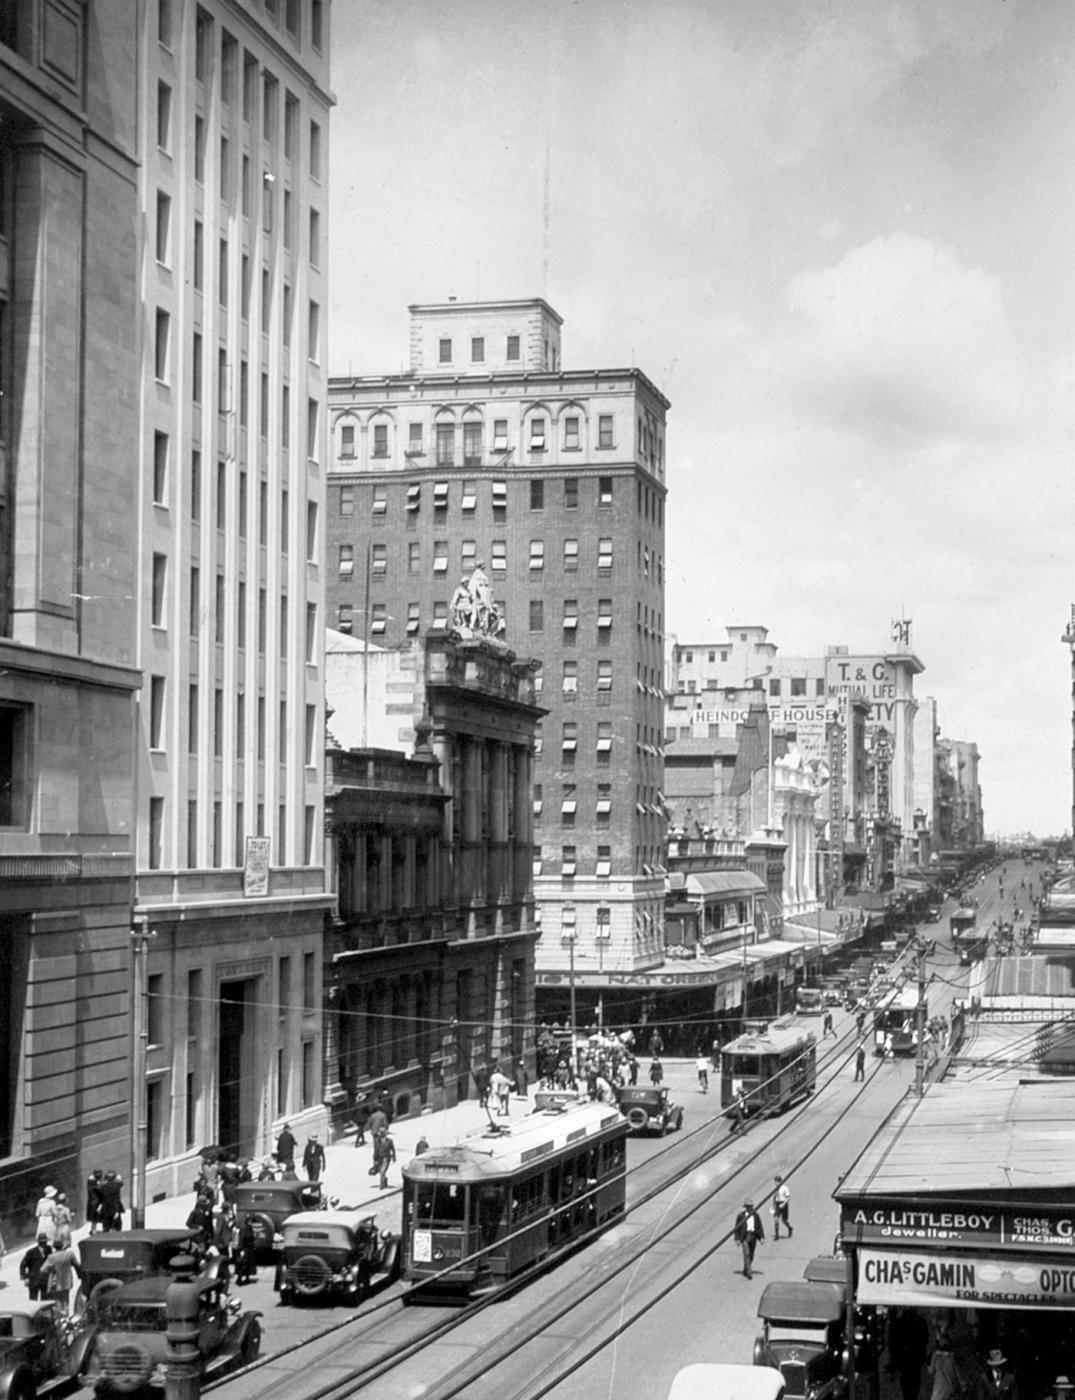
[1069, 640]
[920, 1024]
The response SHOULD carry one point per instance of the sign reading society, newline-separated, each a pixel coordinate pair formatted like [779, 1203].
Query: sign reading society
[912, 1279]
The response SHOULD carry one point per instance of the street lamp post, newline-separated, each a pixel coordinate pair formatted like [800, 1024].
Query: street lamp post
[140, 935]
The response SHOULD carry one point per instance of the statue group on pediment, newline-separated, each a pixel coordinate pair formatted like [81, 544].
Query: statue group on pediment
[473, 608]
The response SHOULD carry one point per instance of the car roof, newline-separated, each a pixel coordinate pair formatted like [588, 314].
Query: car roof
[708, 1380]
[351, 1218]
[119, 1237]
[827, 1268]
[798, 1302]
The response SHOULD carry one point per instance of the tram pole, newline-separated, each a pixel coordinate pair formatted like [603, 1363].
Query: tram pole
[920, 1025]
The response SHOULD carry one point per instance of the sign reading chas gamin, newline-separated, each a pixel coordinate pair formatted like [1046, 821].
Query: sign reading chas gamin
[1043, 1228]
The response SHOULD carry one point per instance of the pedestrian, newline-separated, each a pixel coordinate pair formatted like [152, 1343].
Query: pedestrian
[481, 1086]
[522, 1078]
[908, 1340]
[656, 1043]
[313, 1158]
[225, 1234]
[999, 1381]
[780, 1207]
[860, 1020]
[362, 1118]
[45, 1211]
[31, 1265]
[200, 1219]
[946, 1380]
[860, 1062]
[887, 1048]
[656, 1071]
[59, 1274]
[93, 1200]
[285, 1147]
[500, 1089]
[749, 1233]
[827, 1027]
[386, 1158]
[701, 1064]
[738, 1111]
[64, 1221]
[378, 1124]
[112, 1201]
[421, 1146]
[246, 1241]
[632, 1071]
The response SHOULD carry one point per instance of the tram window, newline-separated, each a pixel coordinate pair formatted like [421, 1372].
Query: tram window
[567, 1181]
[769, 1066]
[440, 1203]
[490, 1210]
[743, 1064]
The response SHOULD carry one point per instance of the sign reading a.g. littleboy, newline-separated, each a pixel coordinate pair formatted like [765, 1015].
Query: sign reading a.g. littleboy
[1027, 1229]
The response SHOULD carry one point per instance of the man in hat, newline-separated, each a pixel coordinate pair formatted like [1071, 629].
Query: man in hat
[313, 1158]
[748, 1233]
[999, 1378]
[31, 1267]
[285, 1147]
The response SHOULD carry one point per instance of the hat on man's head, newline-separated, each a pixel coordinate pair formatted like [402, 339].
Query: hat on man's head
[996, 1358]
[749, 1203]
[50, 1191]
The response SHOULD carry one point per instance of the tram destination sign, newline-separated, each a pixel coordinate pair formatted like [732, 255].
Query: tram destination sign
[943, 1223]
[913, 1279]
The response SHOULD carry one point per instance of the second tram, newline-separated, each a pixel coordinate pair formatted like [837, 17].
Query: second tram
[479, 1212]
[896, 1015]
[770, 1068]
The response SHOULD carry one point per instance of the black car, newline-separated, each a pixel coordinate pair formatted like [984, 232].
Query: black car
[649, 1109]
[34, 1357]
[267, 1204]
[333, 1254]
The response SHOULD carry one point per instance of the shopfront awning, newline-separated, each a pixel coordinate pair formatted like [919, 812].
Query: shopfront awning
[726, 882]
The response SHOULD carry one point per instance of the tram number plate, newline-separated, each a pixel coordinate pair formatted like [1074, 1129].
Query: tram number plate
[423, 1247]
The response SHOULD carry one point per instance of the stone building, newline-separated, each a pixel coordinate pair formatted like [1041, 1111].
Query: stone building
[487, 449]
[430, 961]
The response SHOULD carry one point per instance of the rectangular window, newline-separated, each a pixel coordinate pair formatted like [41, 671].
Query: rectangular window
[444, 351]
[311, 736]
[445, 445]
[570, 740]
[311, 531]
[268, 107]
[604, 490]
[160, 468]
[311, 634]
[156, 712]
[440, 495]
[571, 492]
[604, 430]
[315, 238]
[469, 556]
[774, 687]
[156, 831]
[415, 439]
[229, 67]
[164, 116]
[604, 554]
[315, 151]
[440, 617]
[537, 615]
[537, 435]
[380, 439]
[604, 741]
[571, 434]
[347, 500]
[571, 555]
[196, 368]
[219, 608]
[570, 678]
[414, 499]
[798, 685]
[500, 496]
[345, 617]
[571, 618]
[413, 618]
[440, 556]
[192, 719]
[283, 628]
[500, 434]
[378, 619]
[537, 495]
[477, 349]
[604, 862]
[347, 440]
[512, 347]
[346, 565]
[470, 496]
[604, 675]
[380, 500]
[244, 287]
[164, 228]
[472, 444]
[225, 168]
[199, 150]
[313, 332]
[291, 123]
[379, 560]
[414, 557]
[159, 584]
[499, 556]
[568, 865]
[221, 496]
[537, 555]
[313, 420]
[161, 345]
[203, 41]
[281, 750]
[198, 256]
[195, 599]
[604, 614]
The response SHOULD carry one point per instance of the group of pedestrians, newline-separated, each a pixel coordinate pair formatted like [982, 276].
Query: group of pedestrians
[749, 1230]
[952, 1371]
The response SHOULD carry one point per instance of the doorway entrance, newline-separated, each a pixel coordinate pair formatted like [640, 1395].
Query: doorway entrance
[237, 1090]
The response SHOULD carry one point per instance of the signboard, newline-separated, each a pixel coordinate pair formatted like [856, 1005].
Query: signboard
[256, 868]
[985, 1226]
[912, 1279]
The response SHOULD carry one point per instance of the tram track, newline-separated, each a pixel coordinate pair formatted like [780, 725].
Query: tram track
[366, 1348]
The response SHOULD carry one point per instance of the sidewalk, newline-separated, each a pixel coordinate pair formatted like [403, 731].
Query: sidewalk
[347, 1167]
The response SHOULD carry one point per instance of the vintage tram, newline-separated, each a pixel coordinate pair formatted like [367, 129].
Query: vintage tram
[771, 1068]
[896, 1015]
[479, 1212]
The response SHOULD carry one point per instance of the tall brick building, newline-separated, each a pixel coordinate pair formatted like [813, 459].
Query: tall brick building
[487, 450]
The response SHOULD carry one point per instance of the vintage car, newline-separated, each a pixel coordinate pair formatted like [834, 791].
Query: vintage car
[121, 1256]
[34, 1358]
[648, 1108]
[718, 1380]
[802, 1337]
[267, 1204]
[126, 1347]
[333, 1253]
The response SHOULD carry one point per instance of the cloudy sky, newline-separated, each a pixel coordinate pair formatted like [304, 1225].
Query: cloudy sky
[837, 234]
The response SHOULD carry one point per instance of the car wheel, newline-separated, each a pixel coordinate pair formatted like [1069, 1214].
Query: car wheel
[251, 1343]
[637, 1118]
[310, 1275]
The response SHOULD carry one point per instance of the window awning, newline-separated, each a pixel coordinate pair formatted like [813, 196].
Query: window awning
[724, 882]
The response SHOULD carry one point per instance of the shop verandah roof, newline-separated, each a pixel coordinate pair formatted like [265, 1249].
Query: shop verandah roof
[992, 1135]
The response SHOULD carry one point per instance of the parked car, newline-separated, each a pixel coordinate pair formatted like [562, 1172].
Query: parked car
[648, 1108]
[333, 1253]
[121, 1256]
[126, 1348]
[34, 1351]
[717, 1380]
[933, 914]
[802, 1337]
[267, 1204]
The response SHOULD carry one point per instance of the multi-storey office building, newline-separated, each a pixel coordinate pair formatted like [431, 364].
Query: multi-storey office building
[229, 509]
[69, 583]
[488, 451]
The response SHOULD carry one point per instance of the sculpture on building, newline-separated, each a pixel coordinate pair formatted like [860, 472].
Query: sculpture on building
[473, 608]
